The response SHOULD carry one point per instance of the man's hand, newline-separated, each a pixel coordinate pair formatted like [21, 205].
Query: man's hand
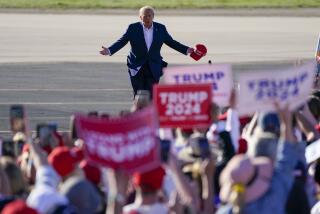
[190, 50]
[105, 51]
[318, 58]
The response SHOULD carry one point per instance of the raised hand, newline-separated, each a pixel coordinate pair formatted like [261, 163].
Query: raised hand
[105, 51]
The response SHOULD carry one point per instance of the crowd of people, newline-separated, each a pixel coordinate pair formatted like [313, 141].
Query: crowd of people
[253, 164]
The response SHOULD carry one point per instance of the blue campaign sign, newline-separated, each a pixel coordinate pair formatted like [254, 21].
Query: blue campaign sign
[218, 75]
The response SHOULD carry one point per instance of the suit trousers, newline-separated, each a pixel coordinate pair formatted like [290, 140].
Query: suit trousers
[143, 80]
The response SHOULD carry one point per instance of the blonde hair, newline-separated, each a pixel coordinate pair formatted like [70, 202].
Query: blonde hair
[16, 181]
[237, 198]
[146, 8]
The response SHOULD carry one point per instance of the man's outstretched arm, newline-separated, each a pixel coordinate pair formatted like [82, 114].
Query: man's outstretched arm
[176, 45]
[117, 45]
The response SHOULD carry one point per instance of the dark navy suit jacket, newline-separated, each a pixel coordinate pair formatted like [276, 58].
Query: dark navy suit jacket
[139, 53]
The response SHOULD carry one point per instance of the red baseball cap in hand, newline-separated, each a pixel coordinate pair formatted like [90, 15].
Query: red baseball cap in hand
[200, 51]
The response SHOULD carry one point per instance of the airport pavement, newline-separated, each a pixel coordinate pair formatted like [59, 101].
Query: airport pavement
[50, 62]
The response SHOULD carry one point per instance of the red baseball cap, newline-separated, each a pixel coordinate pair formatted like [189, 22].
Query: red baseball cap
[91, 172]
[200, 51]
[149, 181]
[64, 159]
[18, 207]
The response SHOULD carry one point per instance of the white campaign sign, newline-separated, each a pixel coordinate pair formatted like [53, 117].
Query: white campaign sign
[219, 75]
[259, 90]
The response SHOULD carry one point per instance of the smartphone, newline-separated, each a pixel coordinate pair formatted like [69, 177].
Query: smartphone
[7, 148]
[53, 127]
[204, 148]
[73, 130]
[17, 118]
[44, 133]
[165, 149]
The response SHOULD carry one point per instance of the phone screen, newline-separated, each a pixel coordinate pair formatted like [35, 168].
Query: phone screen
[204, 148]
[165, 149]
[17, 118]
[53, 127]
[17, 111]
[44, 133]
[8, 148]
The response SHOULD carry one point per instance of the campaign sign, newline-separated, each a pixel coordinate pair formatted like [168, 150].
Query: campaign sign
[185, 106]
[218, 75]
[128, 143]
[259, 90]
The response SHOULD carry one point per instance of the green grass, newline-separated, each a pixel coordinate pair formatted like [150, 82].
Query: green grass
[96, 4]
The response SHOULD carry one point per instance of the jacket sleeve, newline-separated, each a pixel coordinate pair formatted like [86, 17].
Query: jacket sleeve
[115, 47]
[174, 44]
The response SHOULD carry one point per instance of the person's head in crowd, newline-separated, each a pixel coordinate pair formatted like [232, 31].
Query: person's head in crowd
[18, 207]
[93, 113]
[148, 183]
[105, 115]
[17, 183]
[269, 122]
[141, 100]
[314, 106]
[4, 183]
[124, 113]
[65, 160]
[244, 180]
[197, 147]
[92, 172]
[263, 144]
[200, 145]
[182, 135]
[82, 195]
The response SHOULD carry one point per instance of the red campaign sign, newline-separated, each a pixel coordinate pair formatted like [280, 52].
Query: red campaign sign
[185, 106]
[127, 143]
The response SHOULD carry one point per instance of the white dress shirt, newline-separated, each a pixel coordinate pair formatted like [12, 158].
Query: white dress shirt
[148, 35]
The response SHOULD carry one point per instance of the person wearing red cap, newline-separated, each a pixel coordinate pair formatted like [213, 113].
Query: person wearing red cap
[65, 161]
[144, 61]
[147, 186]
[18, 207]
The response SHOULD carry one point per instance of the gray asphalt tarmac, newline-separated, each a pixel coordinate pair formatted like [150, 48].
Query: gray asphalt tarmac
[50, 62]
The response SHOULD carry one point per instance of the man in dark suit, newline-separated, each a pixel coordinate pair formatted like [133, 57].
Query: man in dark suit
[144, 61]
